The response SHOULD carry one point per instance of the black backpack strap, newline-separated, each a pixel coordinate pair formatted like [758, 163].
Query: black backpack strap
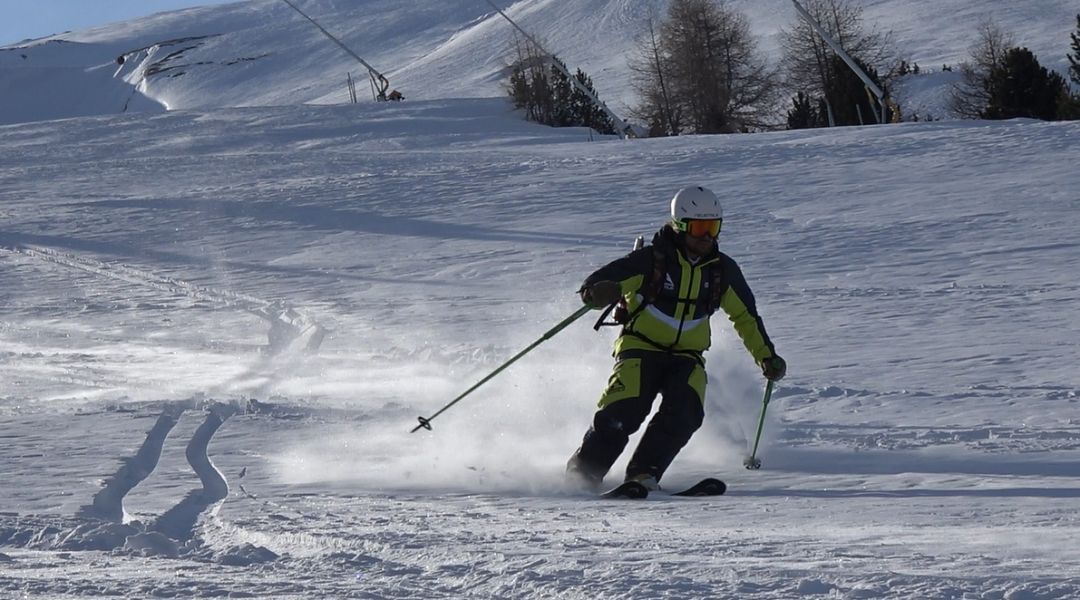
[652, 290]
[657, 281]
[607, 311]
[716, 286]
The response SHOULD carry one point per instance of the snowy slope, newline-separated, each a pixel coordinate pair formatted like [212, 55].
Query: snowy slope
[262, 53]
[918, 278]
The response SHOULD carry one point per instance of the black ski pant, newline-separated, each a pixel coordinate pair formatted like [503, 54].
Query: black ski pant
[638, 377]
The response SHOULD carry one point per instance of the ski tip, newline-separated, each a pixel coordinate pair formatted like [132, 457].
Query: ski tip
[706, 487]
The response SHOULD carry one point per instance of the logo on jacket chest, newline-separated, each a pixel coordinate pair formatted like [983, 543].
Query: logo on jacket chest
[668, 283]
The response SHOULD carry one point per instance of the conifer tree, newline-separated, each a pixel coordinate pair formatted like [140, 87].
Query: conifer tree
[1074, 56]
[586, 112]
[846, 94]
[1069, 105]
[804, 114]
[1021, 87]
[538, 85]
[562, 93]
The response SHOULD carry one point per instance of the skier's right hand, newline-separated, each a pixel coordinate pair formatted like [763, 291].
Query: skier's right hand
[601, 293]
[774, 368]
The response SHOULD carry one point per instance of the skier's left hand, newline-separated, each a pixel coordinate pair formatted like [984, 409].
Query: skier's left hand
[774, 368]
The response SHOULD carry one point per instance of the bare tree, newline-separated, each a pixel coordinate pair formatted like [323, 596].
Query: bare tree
[528, 83]
[753, 88]
[701, 72]
[807, 59]
[970, 96]
[648, 67]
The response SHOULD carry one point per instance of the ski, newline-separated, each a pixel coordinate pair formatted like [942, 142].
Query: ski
[630, 490]
[706, 487]
[633, 490]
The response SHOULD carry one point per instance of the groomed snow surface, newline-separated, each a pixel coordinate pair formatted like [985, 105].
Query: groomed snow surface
[219, 327]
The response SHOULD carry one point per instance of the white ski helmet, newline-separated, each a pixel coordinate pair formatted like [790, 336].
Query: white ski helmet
[695, 202]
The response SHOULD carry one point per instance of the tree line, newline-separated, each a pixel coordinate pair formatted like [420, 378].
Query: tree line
[698, 69]
[539, 85]
[1003, 81]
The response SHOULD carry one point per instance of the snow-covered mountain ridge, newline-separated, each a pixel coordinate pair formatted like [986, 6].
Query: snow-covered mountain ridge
[262, 53]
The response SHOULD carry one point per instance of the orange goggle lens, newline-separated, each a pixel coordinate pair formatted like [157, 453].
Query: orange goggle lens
[700, 227]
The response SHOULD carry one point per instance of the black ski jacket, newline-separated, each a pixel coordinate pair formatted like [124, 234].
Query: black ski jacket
[670, 299]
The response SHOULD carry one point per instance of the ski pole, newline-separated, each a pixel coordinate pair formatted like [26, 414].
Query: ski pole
[426, 422]
[752, 462]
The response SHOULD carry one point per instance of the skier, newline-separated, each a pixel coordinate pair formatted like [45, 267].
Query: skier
[666, 293]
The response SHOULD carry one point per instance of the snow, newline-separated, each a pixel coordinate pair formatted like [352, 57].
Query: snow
[218, 325]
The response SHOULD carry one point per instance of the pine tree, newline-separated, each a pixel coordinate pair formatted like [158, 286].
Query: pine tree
[562, 93]
[1069, 105]
[1021, 87]
[528, 85]
[1074, 56]
[586, 112]
[519, 87]
[539, 86]
[847, 95]
[803, 115]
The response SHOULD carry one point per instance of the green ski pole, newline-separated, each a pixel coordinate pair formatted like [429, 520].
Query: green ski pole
[425, 423]
[753, 462]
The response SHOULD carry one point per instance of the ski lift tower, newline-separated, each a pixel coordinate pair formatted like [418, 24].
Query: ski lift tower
[379, 83]
[869, 83]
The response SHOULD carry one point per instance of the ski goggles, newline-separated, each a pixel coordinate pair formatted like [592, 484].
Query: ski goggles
[699, 227]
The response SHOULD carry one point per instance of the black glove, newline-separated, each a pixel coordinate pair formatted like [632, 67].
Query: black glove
[601, 293]
[773, 368]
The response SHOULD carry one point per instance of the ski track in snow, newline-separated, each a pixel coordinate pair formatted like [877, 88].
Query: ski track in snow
[403, 544]
[287, 324]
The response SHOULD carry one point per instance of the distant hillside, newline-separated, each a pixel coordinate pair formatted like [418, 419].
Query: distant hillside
[261, 52]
